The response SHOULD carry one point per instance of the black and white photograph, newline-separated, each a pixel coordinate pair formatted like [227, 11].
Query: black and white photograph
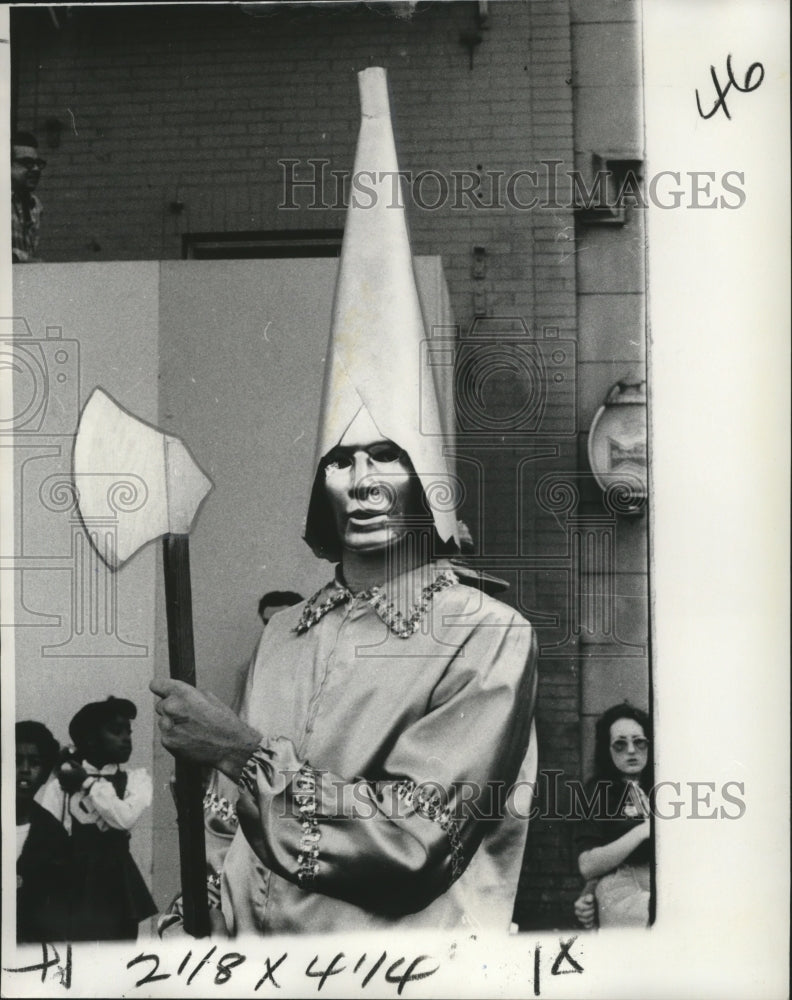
[395, 455]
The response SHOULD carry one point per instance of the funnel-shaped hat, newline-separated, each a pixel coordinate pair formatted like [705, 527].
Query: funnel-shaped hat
[374, 358]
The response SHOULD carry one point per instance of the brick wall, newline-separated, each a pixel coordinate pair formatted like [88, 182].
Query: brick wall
[197, 105]
[611, 289]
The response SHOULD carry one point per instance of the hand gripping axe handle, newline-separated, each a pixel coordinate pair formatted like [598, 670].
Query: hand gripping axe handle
[133, 484]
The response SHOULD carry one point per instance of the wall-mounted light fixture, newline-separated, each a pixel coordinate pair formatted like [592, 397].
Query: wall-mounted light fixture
[617, 443]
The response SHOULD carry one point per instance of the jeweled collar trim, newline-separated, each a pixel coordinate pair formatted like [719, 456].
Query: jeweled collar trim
[402, 623]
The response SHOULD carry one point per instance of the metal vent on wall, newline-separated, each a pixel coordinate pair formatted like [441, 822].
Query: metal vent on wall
[262, 245]
[615, 190]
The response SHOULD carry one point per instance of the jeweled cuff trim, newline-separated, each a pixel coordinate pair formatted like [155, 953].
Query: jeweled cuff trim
[305, 799]
[221, 807]
[428, 805]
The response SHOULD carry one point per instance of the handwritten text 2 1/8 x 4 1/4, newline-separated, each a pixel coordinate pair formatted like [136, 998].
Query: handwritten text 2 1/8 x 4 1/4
[397, 972]
[269, 973]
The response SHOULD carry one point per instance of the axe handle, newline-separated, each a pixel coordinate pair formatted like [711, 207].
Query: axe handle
[189, 782]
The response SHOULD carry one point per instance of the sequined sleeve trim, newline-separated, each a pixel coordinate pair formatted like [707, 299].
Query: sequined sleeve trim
[428, 805]
[221, 807]
[304, 784]
[305, 799]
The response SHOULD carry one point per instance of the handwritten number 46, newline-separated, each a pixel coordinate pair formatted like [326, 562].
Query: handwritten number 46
[749, 83]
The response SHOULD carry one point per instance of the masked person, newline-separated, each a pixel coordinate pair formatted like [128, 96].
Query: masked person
[386, 727]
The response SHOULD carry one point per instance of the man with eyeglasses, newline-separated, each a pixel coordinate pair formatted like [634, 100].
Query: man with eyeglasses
[26, 208]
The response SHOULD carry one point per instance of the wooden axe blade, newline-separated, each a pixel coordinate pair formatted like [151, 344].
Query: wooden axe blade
[125, 469]
[133, 484]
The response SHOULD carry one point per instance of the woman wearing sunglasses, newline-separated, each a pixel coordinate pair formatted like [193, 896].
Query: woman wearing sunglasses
[614, 842]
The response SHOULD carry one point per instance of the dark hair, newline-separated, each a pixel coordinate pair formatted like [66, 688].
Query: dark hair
[24, 139]
[38, 734]
[604, 768]
[279, 599]
[89, 720]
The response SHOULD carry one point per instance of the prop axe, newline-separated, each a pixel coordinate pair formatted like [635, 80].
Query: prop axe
[115, 451]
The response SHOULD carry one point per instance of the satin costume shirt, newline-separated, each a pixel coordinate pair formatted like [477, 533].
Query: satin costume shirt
[396, 723]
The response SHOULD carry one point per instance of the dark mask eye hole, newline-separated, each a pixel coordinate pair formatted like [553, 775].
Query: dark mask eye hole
[336, 461]
[385, 452]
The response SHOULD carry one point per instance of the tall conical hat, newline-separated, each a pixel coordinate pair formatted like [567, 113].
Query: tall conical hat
[374, 358]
